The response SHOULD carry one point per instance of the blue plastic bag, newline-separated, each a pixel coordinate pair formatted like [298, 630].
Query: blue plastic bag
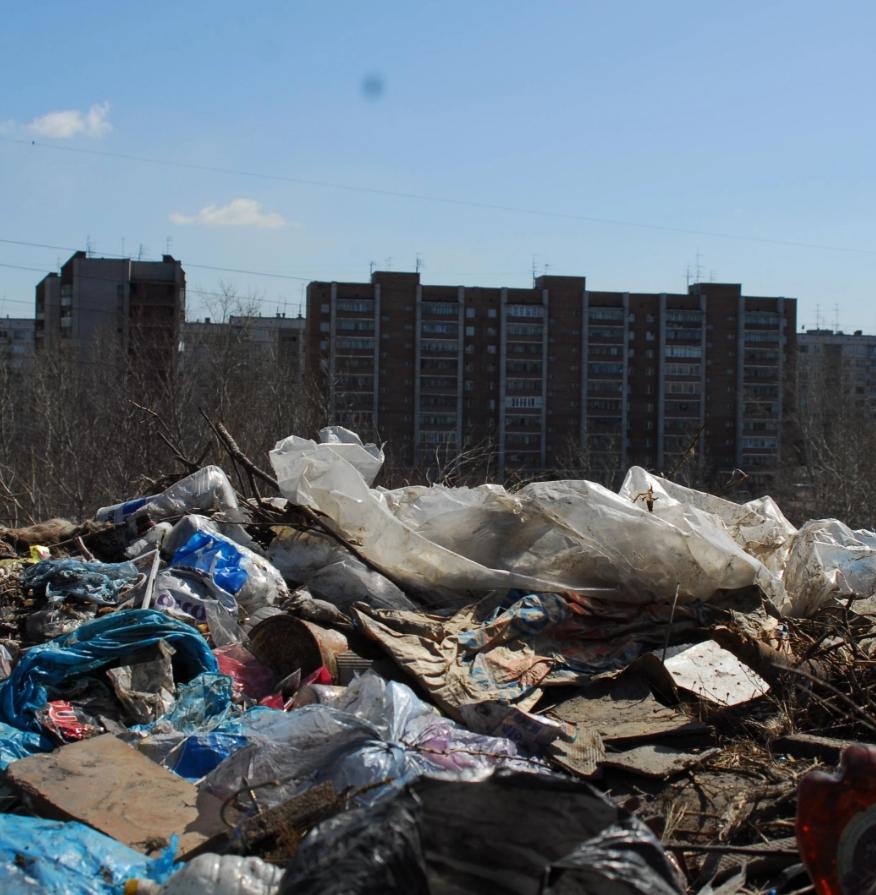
[49, 857]
[218, 557]
[202, 729]
[88, 648]
[91, 582]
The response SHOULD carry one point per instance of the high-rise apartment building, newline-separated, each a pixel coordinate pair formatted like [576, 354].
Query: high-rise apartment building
[16, 341]
[136, 306]
[278, 338]
[834, 366]
[557, 373]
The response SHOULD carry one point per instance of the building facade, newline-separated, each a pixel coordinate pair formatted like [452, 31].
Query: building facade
[135, 306]
[279, 338]
[558, 375]
[16, 341]
[832, 365]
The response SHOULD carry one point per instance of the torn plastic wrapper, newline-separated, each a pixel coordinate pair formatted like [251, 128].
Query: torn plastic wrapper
[67, 723]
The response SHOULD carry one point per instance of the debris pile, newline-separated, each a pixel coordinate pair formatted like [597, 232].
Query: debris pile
[345, 689]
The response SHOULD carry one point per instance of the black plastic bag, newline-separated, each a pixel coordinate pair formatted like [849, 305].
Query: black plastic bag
[531, 834]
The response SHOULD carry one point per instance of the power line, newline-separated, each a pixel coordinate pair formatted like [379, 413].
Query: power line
[201, 292]
[446, 200]
[256, 273]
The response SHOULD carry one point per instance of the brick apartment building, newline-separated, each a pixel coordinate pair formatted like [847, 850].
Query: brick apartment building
[139, 306]
[557, 372]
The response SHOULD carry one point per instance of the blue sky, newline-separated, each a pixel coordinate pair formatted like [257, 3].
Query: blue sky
[634, 138]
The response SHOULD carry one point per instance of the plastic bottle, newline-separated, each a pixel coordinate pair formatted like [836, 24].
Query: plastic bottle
[836, 824]
[214, 875]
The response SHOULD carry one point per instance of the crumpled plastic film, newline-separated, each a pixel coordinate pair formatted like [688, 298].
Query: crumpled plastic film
[374, 739]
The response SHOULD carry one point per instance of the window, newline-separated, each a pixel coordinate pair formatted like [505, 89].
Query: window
[469, 331]
[524, 310]
[351, 324]
[605, 369]
[356, 344]
[471, 313]
[606, 332]
[441, 308]
[682, 316]
[445, 346]
[325, 308]
[357, 305]
[616, 314]
[525, 329]
[439, 329]
[324, 326]
[520, 402]
[684, 351]
[683, 369]
[491, 312]
[682, 388]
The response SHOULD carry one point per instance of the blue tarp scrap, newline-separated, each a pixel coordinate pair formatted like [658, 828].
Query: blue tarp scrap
[72, 579]
[49, 857]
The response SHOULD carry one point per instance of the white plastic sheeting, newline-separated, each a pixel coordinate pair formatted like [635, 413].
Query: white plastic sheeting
[449, 544]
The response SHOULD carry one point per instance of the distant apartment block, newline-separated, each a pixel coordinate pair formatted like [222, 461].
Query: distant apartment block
[558, 371]
[279, 337]
[836, 365]
[16, 341]
[137, 306]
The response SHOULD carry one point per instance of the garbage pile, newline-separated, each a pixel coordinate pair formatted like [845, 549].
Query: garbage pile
[347, 689]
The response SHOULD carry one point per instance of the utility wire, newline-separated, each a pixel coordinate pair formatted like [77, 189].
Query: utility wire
[446, 200]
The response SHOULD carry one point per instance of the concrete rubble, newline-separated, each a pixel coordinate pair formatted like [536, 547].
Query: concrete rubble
[343, 688]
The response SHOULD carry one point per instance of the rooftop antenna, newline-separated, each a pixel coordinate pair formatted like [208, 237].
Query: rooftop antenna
[419, 262]
[687, 276]
[168, 246]
[836, 326]
[699, 268]
[711, 276]
[389, 263]
[140, 253]
[818, 316]
[371, 267]
[88, 247]
[533, 269]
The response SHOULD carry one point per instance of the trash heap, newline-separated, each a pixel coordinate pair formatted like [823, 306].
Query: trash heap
[346, 689]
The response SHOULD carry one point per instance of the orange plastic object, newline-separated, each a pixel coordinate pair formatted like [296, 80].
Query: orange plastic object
[836, 824]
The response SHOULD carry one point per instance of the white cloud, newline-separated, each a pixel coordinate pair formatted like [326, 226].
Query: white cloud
[237, 213]
[72, 122]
